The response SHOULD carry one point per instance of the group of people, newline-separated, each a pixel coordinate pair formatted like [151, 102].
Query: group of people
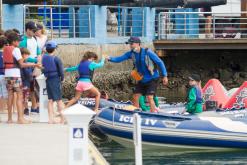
[23, 57]
[20, 58]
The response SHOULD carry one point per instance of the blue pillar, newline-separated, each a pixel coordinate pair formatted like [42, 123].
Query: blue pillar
[83, 21]
[99, 27]
[137, 22]
[149, 23]
[13, 17]
[187, 24]
[192, 26]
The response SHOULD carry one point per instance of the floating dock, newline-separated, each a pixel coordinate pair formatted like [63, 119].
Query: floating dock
[39, 144]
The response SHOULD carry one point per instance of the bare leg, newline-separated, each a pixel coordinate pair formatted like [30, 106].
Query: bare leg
[136, 97]
[19, 103]
[50, 112]
[96, 93]
[75, 99]
[3, 103]
[33, 100]
[14, 102]
[10, 106]
[60, 106]
[151, 102]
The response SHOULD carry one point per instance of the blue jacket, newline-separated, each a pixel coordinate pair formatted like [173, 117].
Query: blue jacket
[140, 63]
[53, 67]
[1, 64]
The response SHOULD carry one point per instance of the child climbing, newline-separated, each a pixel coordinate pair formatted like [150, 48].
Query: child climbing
[85, 70]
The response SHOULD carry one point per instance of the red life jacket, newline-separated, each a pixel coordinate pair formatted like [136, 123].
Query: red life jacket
[8, 58]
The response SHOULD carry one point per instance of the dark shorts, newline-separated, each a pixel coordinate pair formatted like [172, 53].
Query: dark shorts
[148, 88]
[54, 89]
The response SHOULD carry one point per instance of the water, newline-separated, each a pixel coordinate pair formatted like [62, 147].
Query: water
[119, 155]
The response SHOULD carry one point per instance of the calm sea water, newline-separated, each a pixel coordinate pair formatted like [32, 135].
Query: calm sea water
[116, 154]
[119, 155]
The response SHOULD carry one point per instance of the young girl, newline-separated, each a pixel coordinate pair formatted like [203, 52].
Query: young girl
[194, 104]
[85, 70]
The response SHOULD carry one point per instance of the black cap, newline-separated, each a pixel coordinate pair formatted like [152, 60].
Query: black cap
[31, 25]
[133, 40]
[195, 77]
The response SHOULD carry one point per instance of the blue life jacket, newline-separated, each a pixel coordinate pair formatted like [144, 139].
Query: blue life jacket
[198, 95]
[1, 64]
[50, 66]
[84, 70]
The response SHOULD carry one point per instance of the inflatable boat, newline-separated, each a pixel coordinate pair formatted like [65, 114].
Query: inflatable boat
[180, 131]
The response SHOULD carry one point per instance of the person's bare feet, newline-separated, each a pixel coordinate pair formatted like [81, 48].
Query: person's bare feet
[10, 121]
[24, 121]
[52, 122]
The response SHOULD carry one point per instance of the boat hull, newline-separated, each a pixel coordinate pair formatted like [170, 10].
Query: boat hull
[173, 131]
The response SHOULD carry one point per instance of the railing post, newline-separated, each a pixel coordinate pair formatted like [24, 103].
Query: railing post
[214, 26]
[89, 22]
[159, 26]
[74, 29]
[1, 14]
[51, 22]
[143, 20]
[24, 19]
[137, 137]
[60, 18]
[78, 118]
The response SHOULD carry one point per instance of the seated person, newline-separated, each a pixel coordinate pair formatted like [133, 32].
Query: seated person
[194, 97]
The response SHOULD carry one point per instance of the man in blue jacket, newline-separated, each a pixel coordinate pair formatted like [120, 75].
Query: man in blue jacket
[145, 62]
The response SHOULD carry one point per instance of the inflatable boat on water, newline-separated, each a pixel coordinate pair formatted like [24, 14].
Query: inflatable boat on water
[202, 131]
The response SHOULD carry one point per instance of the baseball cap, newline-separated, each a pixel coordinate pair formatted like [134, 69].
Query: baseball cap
[133, 40]
[31, 25]
[51, 45]
[195, 77]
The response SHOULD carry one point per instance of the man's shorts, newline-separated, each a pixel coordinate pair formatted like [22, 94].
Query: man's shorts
[83, 86]
[148, 88]
[13, 84]
[3, 89]
[54, 89]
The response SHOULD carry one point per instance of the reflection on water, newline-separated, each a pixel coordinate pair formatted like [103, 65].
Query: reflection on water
[118, 155]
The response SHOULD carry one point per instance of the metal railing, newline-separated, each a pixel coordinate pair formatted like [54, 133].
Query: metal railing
[201, 25]
[61, 21]
[125, 21]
